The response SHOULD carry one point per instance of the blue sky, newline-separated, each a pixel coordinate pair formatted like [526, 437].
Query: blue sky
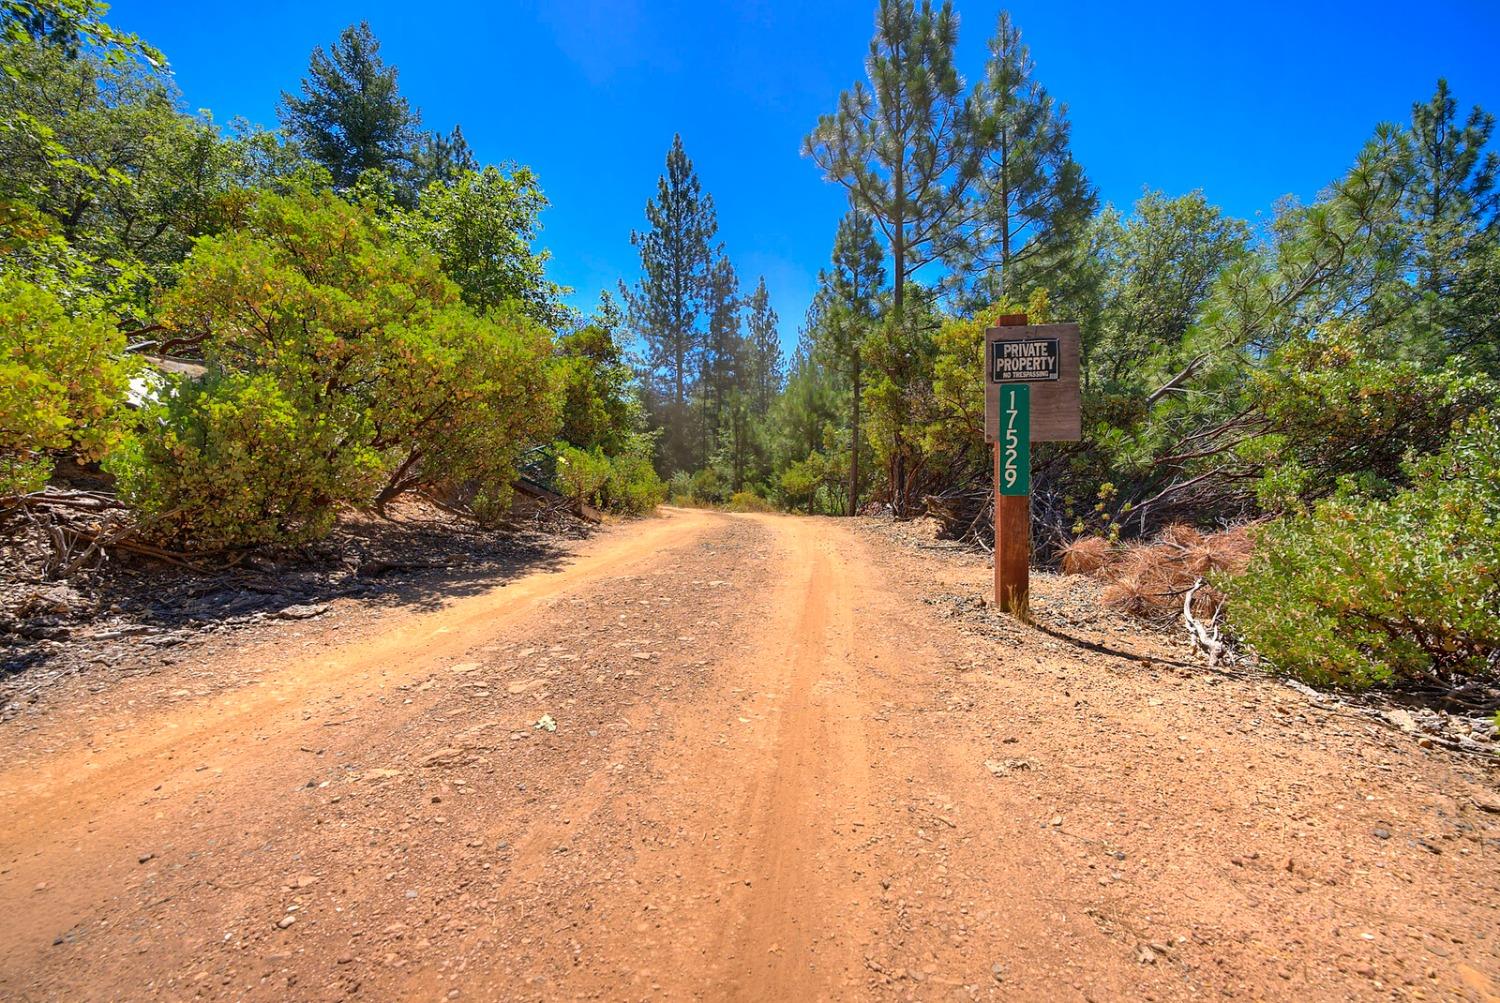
[1247, 101]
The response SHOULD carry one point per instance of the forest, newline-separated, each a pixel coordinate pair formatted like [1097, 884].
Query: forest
[217, 337]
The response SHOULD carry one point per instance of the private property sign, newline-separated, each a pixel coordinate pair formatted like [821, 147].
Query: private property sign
[1044, 357]
[1031, 394]
[1028, 361]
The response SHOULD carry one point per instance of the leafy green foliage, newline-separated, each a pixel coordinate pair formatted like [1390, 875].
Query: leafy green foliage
[1365, 591]
[481, 225]
[234, 462]
[107, 182]
[369, 339]
[68, 26]
[624, 483]
[63, 383]
[1341, 406]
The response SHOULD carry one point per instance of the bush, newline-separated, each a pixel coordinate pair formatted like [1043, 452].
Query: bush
[231, 462]
[63, 381]
[1365, 591]
[633, 486]
[367, 338]
[749, 501]
[626, 483]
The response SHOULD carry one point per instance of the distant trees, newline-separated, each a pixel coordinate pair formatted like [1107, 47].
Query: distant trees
[711, 357]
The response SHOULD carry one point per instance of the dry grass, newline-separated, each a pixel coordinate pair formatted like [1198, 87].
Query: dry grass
[1087, 555]
[1149, 580]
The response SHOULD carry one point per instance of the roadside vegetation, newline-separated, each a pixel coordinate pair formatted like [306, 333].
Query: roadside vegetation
[229, 334]
[1313, 394]
[220, 336]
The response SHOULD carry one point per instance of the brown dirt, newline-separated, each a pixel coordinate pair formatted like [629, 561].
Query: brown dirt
[794, 759]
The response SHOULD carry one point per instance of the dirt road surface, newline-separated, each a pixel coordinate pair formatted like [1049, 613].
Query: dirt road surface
[793, 759]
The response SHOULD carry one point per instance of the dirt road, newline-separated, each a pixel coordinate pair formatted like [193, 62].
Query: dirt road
[793, 759]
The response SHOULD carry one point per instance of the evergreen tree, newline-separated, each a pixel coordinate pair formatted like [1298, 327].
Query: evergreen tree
[1451, 202]
[763, 373]
[849, 298]
[904, 147]
[351, 116]
[907, 149]
[723, 362]
[664, 308]
[442, 159]
[1032, 200]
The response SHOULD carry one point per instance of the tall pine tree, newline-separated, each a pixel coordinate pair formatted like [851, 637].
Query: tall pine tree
[723, 363]
[849, 301]
[677, 254]
[907, 150]
[1032, 201]
[1451, 204]
[763, 374]
[905, 146]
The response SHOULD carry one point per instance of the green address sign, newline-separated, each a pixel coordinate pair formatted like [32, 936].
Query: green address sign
[1015, 439]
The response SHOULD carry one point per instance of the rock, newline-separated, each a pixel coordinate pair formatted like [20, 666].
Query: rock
[145, 858]
[1005, 767]
[1056, 821]
[1382, 834]
[545, 723]
[520, 686]
[303, 612]
[1145, 955]
[442, 757]
[285, 922]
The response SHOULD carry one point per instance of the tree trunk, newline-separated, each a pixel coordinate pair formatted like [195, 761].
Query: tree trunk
[854, 451]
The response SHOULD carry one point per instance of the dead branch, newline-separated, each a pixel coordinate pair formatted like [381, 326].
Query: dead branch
[1205, 640]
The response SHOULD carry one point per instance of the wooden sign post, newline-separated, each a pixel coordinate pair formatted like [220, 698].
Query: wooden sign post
[1031, 395]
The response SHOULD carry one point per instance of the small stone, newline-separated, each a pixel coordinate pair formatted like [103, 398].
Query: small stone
[145, 858]
[1382, 834]
[1056, 821]
[1145, 955]
[285, 921]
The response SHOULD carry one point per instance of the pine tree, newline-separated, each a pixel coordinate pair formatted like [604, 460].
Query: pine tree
[848, 299]
[764, 369]
[907, 149]
[442, 159]
[664, 308]
[905, 146]
[351, 116]
[1451, 202]
[1032, 200]
[723, 362]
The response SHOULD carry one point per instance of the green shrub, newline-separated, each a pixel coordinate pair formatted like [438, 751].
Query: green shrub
[232, 462]
[626, 483]
[707, 487]
[749, 501]
[633, 486]
[680, 488]
[63, 381]
[1365, 591]
[366, 337]
[582, 473]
